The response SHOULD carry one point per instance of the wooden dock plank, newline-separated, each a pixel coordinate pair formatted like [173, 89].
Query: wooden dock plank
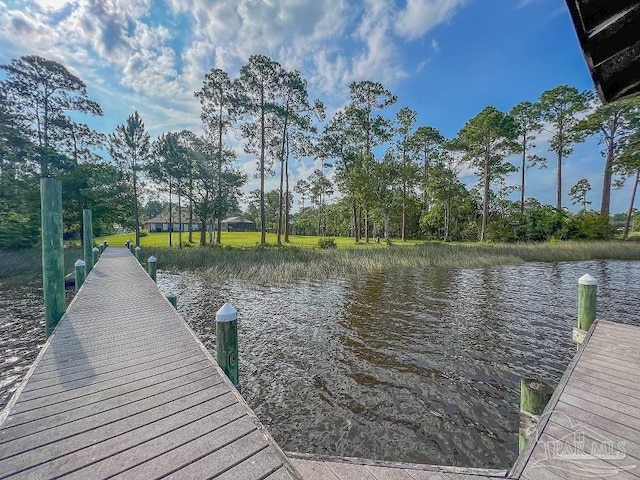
[591, 427]
[123, 387]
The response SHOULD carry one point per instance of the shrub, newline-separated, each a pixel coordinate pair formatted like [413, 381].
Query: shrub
[17, 231]
[327, 242]
[143, 233]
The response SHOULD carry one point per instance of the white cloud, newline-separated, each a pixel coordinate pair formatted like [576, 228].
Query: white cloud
[420, 16]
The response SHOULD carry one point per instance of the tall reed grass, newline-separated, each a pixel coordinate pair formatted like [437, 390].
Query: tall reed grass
[25, 266]
[284, 265]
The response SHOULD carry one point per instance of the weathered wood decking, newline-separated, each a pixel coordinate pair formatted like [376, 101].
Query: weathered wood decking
[591, 426]
[123, 388]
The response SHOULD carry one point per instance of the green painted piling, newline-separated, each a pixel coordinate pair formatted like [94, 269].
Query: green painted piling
[95, 256]
[587, 293]
[138, 253]
[534, 396]
[52, 252]
[227, 342]
[151, 267]
[172, 299]
[79, 274]
[87, 238]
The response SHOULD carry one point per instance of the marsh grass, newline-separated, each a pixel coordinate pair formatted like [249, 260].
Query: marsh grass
[25, 266]
[285, 265]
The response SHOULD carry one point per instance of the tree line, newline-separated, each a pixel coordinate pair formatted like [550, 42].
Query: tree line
[393, 176]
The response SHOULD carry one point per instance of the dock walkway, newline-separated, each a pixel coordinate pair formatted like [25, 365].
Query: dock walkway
[124, 388]
[591, 426]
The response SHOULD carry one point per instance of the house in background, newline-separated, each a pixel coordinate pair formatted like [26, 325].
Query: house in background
[161, 224]
[237, 224]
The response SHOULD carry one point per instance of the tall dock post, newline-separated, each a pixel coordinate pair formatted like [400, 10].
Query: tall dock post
[52, 252]
[151, 267]
[534, 396]
[227, 342]
[80, 274]
[587, 295]
[87, 236]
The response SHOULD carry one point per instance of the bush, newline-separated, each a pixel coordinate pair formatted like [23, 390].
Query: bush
[17, 231]
[326, 243]
[143, 233]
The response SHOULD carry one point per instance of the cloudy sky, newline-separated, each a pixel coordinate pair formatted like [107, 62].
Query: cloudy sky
[446, 59]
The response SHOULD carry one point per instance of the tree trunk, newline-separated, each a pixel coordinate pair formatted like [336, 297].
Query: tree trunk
[280, 200]
[287, 201]
[627, 223]
[190, 228]
[179, 220]
[485, 200]
[170, 214]
[366, 225]
[218, 229]
[135, 207]
[606, 180]
[524, 167]
[263, 211]
[203, 232]
[559, 175]
[356, 233]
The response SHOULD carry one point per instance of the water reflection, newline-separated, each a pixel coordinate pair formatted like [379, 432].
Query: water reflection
[410, 365]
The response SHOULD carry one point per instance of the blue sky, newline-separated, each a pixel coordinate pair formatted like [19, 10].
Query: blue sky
[446, 59]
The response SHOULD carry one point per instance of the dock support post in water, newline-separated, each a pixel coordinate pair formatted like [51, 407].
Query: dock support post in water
[173, 300]
[534, 396]
[95, 256]
[52, 252]
[138, 251]
[227, 342]
[87, 238]
[587, 294]
[80, 271]
[151, 267]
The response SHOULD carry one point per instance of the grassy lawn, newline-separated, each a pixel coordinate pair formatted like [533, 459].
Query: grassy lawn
[241, 239]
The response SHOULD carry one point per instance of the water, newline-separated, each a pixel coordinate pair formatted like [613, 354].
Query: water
[412, 365]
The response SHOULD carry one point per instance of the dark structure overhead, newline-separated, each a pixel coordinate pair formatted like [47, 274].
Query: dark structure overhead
[609, 34]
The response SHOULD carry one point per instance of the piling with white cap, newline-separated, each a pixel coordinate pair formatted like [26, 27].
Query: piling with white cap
[96, 254]
[227, 342]
[138, 253]
[80, 274]
[587, 293]
[151, 267]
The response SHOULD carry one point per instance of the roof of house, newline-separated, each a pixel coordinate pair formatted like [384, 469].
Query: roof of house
[609, 34]
[236, 220]
[164, 218]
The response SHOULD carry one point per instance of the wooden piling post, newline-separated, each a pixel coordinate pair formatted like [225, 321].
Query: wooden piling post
[172, 299]
[87, 238]
[79, 274]
[587, 295]
[534, 396]
[52, 252]
[151, 267]
[227, 342]
[95, 256]
[138, 253]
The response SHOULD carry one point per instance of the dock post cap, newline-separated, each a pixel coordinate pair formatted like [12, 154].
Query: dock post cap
[138, 248]
[96, 249]
[587, 279]
[226, 313]
[79, 263]
[152, 259]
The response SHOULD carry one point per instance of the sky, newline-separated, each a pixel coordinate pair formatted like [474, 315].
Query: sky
[445, 59]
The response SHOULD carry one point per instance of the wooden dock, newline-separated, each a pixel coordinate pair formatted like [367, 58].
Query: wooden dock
[591, 426]
[124, 388]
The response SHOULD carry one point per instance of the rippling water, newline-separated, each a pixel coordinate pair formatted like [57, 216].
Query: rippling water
[412, 365]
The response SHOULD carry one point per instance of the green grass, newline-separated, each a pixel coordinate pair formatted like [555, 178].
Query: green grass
[284, 265]
[241, 240]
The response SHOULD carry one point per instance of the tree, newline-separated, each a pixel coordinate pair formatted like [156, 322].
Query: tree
[302, 188]
[579, 193]
[613, 123]
[628, 166]
[258, 87]
[560, 107]
[426, 142]
[130, 147]
[527, 118]
[406, 119]
[319, 187]
[219, 99]
[41, 94]
[487, 139]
